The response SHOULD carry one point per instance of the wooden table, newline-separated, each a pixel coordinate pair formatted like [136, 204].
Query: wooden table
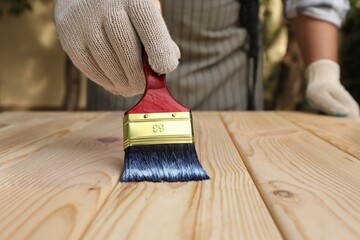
[274, 175]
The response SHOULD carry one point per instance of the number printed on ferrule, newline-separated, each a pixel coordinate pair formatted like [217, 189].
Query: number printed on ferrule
[158, 128]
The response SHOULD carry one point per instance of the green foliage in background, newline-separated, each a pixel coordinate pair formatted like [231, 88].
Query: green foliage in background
[275, 41]
[350, 50]
[14, 7]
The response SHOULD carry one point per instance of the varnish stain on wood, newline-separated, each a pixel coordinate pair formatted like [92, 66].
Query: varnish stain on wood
[108, 139]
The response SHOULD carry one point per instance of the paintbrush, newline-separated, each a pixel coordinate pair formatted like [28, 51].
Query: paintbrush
[159, 137]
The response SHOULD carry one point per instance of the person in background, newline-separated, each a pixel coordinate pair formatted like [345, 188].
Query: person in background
[316, 23]
[104, 38]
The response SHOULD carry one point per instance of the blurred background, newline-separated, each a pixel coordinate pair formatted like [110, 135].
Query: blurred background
[35, 73]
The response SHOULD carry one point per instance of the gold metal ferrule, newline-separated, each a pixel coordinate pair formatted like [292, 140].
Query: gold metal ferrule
[158, 128]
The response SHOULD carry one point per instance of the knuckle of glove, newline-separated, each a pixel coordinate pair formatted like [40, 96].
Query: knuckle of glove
[316, 98]
[66, 13]
[313, 91]
[133, 85]
[127, 90]
[78, 24]
[164, 59]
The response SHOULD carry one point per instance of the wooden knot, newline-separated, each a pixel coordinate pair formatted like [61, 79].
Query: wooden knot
[283, 193]
[108, 139]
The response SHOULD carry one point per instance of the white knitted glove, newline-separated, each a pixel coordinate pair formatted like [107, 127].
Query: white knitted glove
[325, 93]
[103, 39]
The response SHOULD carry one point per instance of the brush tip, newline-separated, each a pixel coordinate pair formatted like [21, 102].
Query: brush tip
[163, 162]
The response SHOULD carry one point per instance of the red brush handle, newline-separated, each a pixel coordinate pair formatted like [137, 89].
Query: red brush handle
[157, 98]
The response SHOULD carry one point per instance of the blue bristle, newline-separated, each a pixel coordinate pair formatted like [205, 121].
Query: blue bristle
[163, 162]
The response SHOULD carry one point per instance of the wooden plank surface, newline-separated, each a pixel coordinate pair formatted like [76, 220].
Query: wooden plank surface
[226, 207]
[55, 192]
[341, 132]
[59, 180]
[310, 186]
[23, 134]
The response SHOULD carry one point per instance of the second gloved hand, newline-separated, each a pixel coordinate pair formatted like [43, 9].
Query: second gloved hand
[325, 93]
[103, 39]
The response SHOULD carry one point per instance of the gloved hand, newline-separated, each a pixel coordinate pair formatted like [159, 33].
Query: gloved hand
[325, 93]
[103, 39]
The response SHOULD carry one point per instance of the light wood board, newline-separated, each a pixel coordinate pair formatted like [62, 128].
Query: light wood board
[23, 134]
[273, 176]
[310, 186]
[226, 207]
[341, 132]
[55, 192]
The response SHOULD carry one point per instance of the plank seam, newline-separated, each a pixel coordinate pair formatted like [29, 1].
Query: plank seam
[40, 138]
[86, 229]
[253, 178]
[315, 134]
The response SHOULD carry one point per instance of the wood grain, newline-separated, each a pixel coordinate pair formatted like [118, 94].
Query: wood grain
[226, 207]
[59, 180]
[26, 133]
[55, 192]
[341, 132]
[14, 119]
[310, 186]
